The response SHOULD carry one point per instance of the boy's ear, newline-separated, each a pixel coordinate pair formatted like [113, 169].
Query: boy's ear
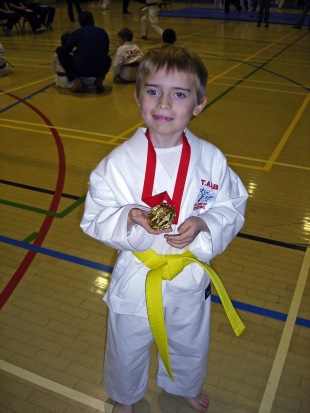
[136, 97]
[199, 108]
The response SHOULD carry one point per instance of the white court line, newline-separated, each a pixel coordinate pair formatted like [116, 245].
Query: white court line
[276, 371]
[56, 388]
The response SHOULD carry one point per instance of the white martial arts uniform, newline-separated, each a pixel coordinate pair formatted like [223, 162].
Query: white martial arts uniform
[212, 191]
[151, 17]
[5, 67]
[126, 61]
[61, 79]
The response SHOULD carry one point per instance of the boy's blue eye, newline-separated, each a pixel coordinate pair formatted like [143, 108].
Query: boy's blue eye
[151, 92]
[180, 95]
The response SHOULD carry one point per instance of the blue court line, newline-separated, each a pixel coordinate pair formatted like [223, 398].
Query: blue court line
[97, 266]
[21, 100]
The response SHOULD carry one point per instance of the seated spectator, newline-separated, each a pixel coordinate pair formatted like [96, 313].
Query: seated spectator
[169, 36]
[21, 8]
[127, 58]
[45, 13]
[5, 66]
[7, 14]
[90, 47]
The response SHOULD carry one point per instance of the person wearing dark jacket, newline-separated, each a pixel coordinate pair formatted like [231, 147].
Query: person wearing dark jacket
[86, 53]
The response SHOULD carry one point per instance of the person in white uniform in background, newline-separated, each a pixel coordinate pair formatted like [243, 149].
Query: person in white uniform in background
[127, 58]
[104, 4]
[5, 67]
[152, 10]
[163, 166]
[61, 79]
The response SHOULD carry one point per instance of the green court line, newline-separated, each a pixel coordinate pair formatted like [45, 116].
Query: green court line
[45, 211]
[31, 237]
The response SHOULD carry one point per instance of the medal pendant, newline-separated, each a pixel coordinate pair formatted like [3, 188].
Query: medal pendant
[161, 216]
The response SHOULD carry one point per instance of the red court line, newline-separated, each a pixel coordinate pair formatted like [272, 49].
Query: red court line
[47, 222]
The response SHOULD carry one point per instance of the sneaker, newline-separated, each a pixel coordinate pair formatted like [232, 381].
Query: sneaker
[143, 37]
[49, 26]
[296, 27]
[77, 85]
[99, 85]
[38, 31]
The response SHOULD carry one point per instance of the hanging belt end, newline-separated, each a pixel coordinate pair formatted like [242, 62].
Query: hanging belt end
[239, 328]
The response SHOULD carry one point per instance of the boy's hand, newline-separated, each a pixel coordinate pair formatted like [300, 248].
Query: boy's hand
[138, 216]
[187, 232]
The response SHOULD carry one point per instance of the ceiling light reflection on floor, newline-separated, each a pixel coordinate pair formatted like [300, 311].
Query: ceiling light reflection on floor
[102, 282]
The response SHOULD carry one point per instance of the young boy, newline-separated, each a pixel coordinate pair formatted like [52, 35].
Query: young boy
[127, 58]
[5, 67]
[163, 192]
[61, 79]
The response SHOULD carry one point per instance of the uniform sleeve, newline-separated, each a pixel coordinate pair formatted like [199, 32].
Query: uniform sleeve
[118, 62]
[225, 217]
[105, 219]
[54, 62]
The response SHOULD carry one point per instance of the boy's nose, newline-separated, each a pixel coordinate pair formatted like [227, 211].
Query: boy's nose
[164, 103]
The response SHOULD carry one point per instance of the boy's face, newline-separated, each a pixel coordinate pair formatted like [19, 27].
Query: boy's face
[167, 102]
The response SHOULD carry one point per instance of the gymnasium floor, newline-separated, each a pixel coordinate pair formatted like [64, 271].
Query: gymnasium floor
[53, 277]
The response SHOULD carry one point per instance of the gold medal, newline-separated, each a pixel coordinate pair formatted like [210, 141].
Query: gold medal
[161, 216]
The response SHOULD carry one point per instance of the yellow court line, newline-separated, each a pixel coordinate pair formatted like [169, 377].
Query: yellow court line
[78, 138]
[132, 129]
[262, 168]
[280, 357]
[29, 84]
[248, 58]
[57, 388]
[114, 142]
[287, 134]
[58, 128]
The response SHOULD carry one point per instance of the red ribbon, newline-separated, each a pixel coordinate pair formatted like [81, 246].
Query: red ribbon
[154, 200]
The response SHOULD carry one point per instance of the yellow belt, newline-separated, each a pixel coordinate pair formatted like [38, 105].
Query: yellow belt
[166, 267]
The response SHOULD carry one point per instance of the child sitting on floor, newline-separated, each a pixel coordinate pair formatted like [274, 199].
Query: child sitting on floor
[5, 66]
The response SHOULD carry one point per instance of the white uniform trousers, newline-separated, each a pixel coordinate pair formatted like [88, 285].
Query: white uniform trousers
[128, 351]
[151, 18]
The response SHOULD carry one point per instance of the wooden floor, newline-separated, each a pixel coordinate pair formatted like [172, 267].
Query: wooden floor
[53, 277]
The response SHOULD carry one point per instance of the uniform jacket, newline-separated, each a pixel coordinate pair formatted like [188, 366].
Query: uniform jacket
[212, 191]
[61, 79]
[4, 66]
[126, 61]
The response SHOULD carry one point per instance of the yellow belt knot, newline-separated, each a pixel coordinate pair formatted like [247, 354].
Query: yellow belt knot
[166, 267]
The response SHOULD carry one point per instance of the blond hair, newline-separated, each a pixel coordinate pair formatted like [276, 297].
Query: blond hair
[173, 58]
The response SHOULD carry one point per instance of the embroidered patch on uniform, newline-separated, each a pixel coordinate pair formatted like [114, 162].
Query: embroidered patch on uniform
[205, 195]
